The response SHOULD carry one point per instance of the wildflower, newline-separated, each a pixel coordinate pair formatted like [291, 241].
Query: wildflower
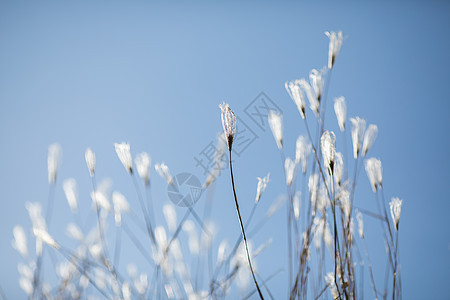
[294, 90]
[276, 126]
[70, 190]
[54, 156]
[358, 128]
[289, 168]
[164, 172]
[396, 208]
[328, 146]
[359, 218]
[341, 110]
[369, 138]
[228, 123]
[302, 151]
[120, 205]
[338, 168]
[313, 103]
[262, 185]
[142, 162]
[317, 80]
[171, 216]
[374, 173]
[123, 152]
[20, 241]
[90, 161]
[45, 237]
[334, 46]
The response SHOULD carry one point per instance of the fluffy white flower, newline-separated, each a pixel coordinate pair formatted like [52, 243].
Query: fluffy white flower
[289, 168]
[328, 146]
[302, 151]
[358, 128]
[295, 91]
[70, 190]
[338, 168]
[276, 126]
[359, 218]
[45, 237]
[374, 172]
[54, 157]
[334, 46]
[123, 152]
[296, 205]
[164, 172]
[262, 185]
[369, 138]
[171, 216]
[20, 241]
[396, 209]
[90, 161]
[341, 111]
[317, 80]
[142, 162]
[120, 205]
[228, 123]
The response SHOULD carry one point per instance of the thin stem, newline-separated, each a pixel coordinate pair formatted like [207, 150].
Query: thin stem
[242, 229]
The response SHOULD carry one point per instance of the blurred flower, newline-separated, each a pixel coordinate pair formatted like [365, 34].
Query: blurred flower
[328, 146]
[334, 46]
[396, 208]
[228, 123]
[317, 80]
[74, 232]
[302, 151]
[369, 138]
[120, 205]
[276, 126]
[294, 90]
[358, 128]
[341, 111]
[20, 241]
[359, 218]
[262, 185]
[123, 152]
[313, 103]
[171, 216]
[289, 168]
[374, 173]
[90, 161]
[338, 168]
[44, 236]
[164, 172]
[54, 157]
[70, 190]
[344, 198]
[296, 205]
[142, 162]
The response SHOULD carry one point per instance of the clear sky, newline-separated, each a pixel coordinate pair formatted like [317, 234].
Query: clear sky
[91, 73]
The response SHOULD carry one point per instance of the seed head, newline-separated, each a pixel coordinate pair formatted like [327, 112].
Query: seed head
[123, 152]
[328, 146]
[70, 190]
[262, 185]
[374, 172]
[142, 162]
[341, 110]
[228, 123]
[90, 161]
[54, 157]
[276, 126]
[369, 138]
[358, 128]
[164, 172]
[334, 46]
[297, 95]
[289, 168]
[396, 209]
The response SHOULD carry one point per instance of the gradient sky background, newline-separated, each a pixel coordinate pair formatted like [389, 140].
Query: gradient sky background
[91, 73]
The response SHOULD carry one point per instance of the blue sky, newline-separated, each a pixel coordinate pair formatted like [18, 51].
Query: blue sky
[91, 73]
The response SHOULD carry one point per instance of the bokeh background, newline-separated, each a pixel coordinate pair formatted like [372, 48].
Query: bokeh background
[91, 73]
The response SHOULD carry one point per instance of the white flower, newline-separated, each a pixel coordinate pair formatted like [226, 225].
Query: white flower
[328, 146]
[359, 218]
[341, 111]
[302, 151]
[54, 157]
[358, 128]
[338, 168]
[228, 123]
[45, 237]
[100, 199]
[317, 80]
[123, 152]
[369, 138]
[374, 173]
[294, 90]
[396, 208]
[276, 126]
[262, 185]
[289, 168]
[20, 241]
[313, 103]
[90, 161]
[164, 172]
[120, 205]
[142, 162]
[334, 46]
[171, 216]
[70, 190]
